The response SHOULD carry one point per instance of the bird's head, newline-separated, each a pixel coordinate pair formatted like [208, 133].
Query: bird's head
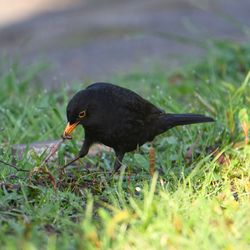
[77, 110]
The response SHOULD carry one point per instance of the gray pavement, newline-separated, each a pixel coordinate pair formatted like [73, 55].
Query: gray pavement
[95, 40]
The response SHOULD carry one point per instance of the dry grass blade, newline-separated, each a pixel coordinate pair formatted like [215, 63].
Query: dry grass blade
[151, 161]
[245, 128]
[43, 171]
[53, 150]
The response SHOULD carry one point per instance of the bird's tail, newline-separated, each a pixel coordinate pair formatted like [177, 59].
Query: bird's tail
[172, 120]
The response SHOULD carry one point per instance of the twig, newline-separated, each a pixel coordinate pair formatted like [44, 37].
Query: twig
[13, 166]
[52, 152]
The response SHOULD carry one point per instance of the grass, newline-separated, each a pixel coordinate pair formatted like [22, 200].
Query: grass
[198, 197]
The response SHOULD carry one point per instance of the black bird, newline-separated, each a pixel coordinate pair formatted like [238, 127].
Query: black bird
[119, 118]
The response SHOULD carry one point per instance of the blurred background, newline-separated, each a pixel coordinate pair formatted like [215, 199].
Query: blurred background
[90, 40]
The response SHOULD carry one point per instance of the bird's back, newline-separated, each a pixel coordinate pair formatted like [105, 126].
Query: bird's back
[123, 97]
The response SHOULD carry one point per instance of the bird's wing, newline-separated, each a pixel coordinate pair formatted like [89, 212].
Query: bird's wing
[140, 105]
[125, 100]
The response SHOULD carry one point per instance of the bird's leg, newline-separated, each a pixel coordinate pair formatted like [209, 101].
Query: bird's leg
[83, 151]
[69, 163]
[118, 161]
[85, 148]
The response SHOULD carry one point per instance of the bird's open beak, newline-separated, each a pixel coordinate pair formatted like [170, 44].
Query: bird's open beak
[69, 129]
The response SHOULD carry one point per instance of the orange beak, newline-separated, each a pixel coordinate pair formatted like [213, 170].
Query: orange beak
[69, 129]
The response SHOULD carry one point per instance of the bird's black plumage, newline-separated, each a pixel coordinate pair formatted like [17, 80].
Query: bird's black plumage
[120, 118]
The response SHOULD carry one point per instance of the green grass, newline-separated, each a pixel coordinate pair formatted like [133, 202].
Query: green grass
[197, 199]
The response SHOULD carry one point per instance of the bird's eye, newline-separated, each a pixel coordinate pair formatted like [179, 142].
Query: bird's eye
[82, 114]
